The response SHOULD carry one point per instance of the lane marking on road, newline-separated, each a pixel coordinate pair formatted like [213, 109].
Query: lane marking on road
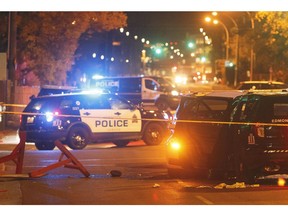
[204, 200]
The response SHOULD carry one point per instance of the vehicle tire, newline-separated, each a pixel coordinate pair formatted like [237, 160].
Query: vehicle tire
[45, 145]
[153, 134]
[121, 143]
[162, 105]
[78, 138]
[241, 170]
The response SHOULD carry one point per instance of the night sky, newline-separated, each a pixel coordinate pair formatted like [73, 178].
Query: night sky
[163, 26]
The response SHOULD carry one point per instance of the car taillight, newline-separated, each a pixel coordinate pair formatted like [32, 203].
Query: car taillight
[174, 144]
[259, 130]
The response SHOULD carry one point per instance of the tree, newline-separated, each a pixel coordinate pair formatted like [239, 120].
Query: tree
[3, 32]
[271, 43]
[47, 41]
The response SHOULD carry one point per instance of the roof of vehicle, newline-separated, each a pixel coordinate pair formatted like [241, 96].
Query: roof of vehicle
[261, 85]
[53, 89]
[122, 77]
[261, 82]
[220, 93]
[92, 92]
[268, 92]
[58, 87]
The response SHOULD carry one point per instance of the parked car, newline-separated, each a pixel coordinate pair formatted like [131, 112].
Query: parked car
[77, 119]
[148, 90]
[252, 85]
[240, 137]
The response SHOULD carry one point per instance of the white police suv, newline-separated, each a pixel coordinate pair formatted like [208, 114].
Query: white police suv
[78, 119]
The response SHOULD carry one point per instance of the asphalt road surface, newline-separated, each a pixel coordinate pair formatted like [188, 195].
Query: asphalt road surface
[143, 181]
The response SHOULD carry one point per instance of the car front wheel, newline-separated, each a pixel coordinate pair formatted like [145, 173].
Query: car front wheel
[78, 138]
[153, 134]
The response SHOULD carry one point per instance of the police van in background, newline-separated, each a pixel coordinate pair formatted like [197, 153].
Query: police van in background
[146, 90]
[76, 119]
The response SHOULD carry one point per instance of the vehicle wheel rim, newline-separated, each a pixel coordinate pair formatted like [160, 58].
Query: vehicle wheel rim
[154, 135]
[78, 140]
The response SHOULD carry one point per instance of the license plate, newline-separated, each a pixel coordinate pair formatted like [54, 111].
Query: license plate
[30, 119]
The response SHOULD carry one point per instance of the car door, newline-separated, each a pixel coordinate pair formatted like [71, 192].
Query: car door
[150, 91]
[127, 118]
[110, 115]
[98, 115]
[202, 123]
[211, 111]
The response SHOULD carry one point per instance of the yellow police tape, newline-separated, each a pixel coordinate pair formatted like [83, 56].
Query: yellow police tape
[14, 105]
[145, 119]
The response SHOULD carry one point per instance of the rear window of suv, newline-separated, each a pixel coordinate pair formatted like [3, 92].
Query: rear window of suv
[256, 108]
[203, 109]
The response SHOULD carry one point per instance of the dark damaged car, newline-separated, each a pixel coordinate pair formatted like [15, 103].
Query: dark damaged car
[237, 136]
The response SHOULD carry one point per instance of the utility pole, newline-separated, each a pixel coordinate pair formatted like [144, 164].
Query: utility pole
[252, 47]
[12, 32]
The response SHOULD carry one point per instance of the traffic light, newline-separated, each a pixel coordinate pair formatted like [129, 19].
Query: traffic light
[190, 44]
[158, 51]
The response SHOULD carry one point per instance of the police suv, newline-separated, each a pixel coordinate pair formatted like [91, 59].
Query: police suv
[77, 119]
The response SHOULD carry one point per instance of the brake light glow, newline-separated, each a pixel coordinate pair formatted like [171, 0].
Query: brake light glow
[175, 145]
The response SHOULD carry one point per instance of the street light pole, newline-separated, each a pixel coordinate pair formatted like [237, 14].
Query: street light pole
[237, 46]
[227, 39]
[252, 48]
[236, 50]
[208, 19]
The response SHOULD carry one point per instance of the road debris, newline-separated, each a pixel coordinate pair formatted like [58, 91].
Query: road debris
[115, 173]
[236, 185]
[203, 187]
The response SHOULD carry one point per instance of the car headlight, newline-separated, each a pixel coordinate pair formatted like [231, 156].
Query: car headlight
[167, 115]
[175, 93]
